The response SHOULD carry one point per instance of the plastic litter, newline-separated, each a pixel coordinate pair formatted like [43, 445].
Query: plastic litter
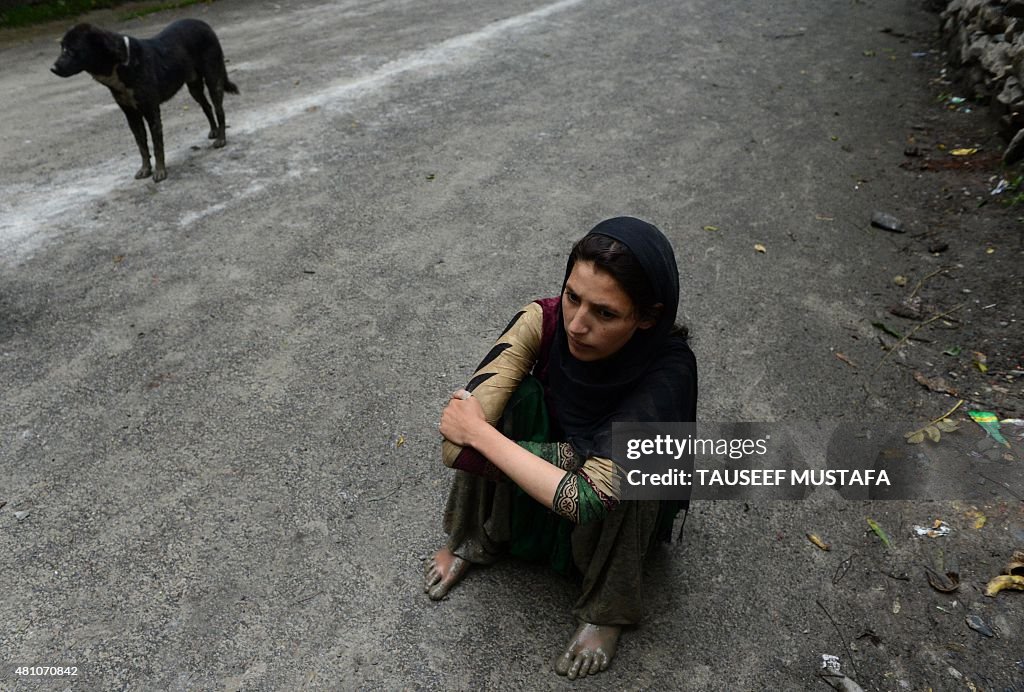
[990, 424]
[937, 529]
[832, 674]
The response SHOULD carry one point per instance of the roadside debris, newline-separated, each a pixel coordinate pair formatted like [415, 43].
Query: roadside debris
[978, 517]
[935, 384]
[831, 673]
[21, 516]
[846, 359]
[937, 529]
[760, 248]
[935, 428]
[990, 424]
[978, 625]
[887, 222]
[1004, 581]
[1011, 578]
[945, 576]
[1015, 150]
[813, 538]
[880, 532]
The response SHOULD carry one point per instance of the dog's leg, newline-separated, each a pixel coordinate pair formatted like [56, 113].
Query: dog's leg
[139, 130]
[216, 87]
[156, 130]
[196, 89]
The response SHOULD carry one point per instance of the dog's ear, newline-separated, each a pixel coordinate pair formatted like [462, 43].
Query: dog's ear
[111, 44]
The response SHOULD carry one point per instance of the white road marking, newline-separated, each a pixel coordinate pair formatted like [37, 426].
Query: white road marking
[30, 213]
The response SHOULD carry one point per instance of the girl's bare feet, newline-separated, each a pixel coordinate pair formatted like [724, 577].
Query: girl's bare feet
[443, 571]
[590, 651]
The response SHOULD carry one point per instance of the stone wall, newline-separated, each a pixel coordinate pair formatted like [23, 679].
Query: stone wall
[984, 40]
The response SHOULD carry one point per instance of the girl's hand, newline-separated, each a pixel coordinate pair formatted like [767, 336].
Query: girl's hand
[461, 418]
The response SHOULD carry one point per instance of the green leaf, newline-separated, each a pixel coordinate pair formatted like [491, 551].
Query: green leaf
[947, 425]
[933, 433]
[915, 438]
[880, 532]
[952, 351]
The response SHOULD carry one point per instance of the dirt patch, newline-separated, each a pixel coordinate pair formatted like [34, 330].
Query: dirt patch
[958, 293]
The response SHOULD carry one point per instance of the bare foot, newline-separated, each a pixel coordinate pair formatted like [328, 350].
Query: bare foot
[590, 651]
[443, 571]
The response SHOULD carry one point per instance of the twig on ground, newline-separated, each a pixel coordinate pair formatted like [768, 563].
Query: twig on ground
[846, 648]
[913, 331]
[920, 283]
[384, 497]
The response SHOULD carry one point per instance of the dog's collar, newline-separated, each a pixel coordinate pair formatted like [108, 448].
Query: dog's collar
[127, 50]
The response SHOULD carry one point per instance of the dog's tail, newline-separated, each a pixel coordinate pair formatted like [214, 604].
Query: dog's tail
[230, 87]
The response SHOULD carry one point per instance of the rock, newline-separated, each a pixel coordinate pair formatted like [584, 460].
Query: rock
[887, 222]
[1015, 151]
[978, 625]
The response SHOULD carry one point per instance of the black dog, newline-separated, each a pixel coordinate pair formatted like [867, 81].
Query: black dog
[143, 73]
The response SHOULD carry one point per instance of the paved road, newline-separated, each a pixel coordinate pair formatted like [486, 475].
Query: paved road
[220, 392]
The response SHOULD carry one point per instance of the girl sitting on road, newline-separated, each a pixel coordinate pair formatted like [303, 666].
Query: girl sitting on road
[531, 433]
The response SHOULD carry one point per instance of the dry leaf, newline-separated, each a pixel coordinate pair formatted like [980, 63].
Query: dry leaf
[813, 538]
[915, 438]
[760, 248]
[935, 384]
[964, 152]
[710, 228]
[899, 280]
[933, 433]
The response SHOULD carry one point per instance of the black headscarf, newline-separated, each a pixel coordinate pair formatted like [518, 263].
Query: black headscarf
[652, 378]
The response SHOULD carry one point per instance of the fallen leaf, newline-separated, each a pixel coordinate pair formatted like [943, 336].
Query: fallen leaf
[824, 217]
[935, 384]
[710, 228]
[980, 521]
[952, 351]
[760, 248]
[964, 152]
[980, 361]
[880, 532]
[1004, 581]
[899, 280]
[813, 538]
[915, 438]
